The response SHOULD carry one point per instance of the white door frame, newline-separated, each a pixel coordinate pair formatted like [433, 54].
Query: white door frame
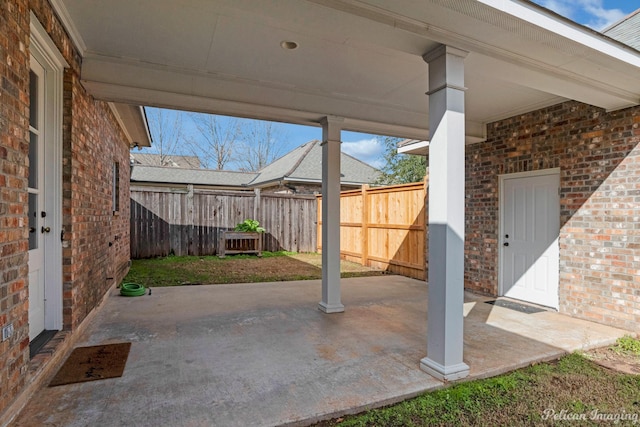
[45, 52]
[501, 207]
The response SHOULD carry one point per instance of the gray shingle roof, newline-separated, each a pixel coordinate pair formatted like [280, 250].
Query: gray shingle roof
[177, 161]
[305, 164]
[626, 30]
[172, 175]
[301, 164]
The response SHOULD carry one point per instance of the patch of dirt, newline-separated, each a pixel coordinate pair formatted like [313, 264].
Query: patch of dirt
[607, 357]
[345, 266]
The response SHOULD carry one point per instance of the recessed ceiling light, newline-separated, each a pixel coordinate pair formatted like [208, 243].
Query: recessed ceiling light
[288, 45]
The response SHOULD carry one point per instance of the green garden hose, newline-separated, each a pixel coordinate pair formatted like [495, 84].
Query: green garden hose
[132, 290]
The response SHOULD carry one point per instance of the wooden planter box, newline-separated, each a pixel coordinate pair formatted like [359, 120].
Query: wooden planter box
[240, 242]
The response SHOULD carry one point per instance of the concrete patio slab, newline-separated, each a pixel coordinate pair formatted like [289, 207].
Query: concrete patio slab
[263, 354]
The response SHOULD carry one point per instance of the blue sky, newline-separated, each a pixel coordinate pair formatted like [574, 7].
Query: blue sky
[596, 14]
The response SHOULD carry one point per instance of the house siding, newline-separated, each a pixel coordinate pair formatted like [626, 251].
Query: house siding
[598, 154]
[96, 242]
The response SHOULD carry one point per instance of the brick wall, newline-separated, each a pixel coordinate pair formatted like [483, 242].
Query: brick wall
[14, 77]
[599, 157]
[14, 148]
[96, 247]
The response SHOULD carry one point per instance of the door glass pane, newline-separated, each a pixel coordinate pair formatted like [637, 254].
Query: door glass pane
[33, 99]
[33, 221]
[33, 160]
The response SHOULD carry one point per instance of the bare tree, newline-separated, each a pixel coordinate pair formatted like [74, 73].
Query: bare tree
[166, 131]
[216, 140]
[262, 144]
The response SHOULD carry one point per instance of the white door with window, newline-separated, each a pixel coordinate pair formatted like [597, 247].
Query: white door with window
[36, 189]
[45, 183]
[530, 226]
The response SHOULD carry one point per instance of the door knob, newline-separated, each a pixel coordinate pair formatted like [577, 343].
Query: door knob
[505, 244]
[45, 229]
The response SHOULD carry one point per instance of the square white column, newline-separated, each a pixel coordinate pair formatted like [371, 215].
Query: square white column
[331, 129]
[445, 317]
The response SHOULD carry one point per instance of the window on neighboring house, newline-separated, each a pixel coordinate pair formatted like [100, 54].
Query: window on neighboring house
[115, 198]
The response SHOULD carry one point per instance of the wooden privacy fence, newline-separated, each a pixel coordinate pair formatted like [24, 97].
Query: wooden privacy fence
[384, 228]
[191, 221]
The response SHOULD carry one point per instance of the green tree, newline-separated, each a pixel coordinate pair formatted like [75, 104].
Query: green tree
[400, 168]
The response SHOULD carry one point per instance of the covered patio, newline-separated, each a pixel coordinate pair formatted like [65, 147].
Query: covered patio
[436, 70]
[262, 354]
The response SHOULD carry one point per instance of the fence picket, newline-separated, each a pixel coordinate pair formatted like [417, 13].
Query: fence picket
[383, 228]
[165, 221]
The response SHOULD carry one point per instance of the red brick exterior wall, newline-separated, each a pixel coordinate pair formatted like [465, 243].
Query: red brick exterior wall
[96, 247]
[14, 149]
[598, 154]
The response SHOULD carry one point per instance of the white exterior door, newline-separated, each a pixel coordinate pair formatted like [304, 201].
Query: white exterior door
[530, 226]
[45, 182]
[36, 190]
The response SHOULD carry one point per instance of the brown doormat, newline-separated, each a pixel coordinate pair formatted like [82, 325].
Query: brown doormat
[93, 363]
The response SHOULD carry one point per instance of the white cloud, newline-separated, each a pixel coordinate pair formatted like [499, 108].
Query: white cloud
[601, 17]
[560, 7]
[591, 13]
[368, 150]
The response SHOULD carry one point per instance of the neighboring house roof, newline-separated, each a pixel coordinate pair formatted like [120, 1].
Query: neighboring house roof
[627, 30]
[303, 164]
[173, 175]
[174, 161]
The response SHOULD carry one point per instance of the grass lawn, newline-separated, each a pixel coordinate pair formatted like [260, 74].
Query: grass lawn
[574, 391]
[272, 267]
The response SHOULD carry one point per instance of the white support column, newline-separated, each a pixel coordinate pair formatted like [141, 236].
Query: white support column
[331, 127]
[445, 317]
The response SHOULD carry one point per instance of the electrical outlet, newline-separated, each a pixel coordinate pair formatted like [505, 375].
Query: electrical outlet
[7, 331]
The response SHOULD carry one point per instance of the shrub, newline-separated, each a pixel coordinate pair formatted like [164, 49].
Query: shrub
[250, 225]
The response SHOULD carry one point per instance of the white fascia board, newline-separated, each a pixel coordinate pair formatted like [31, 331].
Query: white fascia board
[419, 148]
[133, 121]
[534, 14]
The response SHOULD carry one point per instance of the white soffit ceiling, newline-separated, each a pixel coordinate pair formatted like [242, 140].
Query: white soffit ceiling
[356, 59]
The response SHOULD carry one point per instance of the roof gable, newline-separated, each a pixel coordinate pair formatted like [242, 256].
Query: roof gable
[626, 30]
[305, 164]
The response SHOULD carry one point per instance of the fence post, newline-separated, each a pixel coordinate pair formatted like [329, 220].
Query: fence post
[190, 220]
[365, 226]
[256, 205]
